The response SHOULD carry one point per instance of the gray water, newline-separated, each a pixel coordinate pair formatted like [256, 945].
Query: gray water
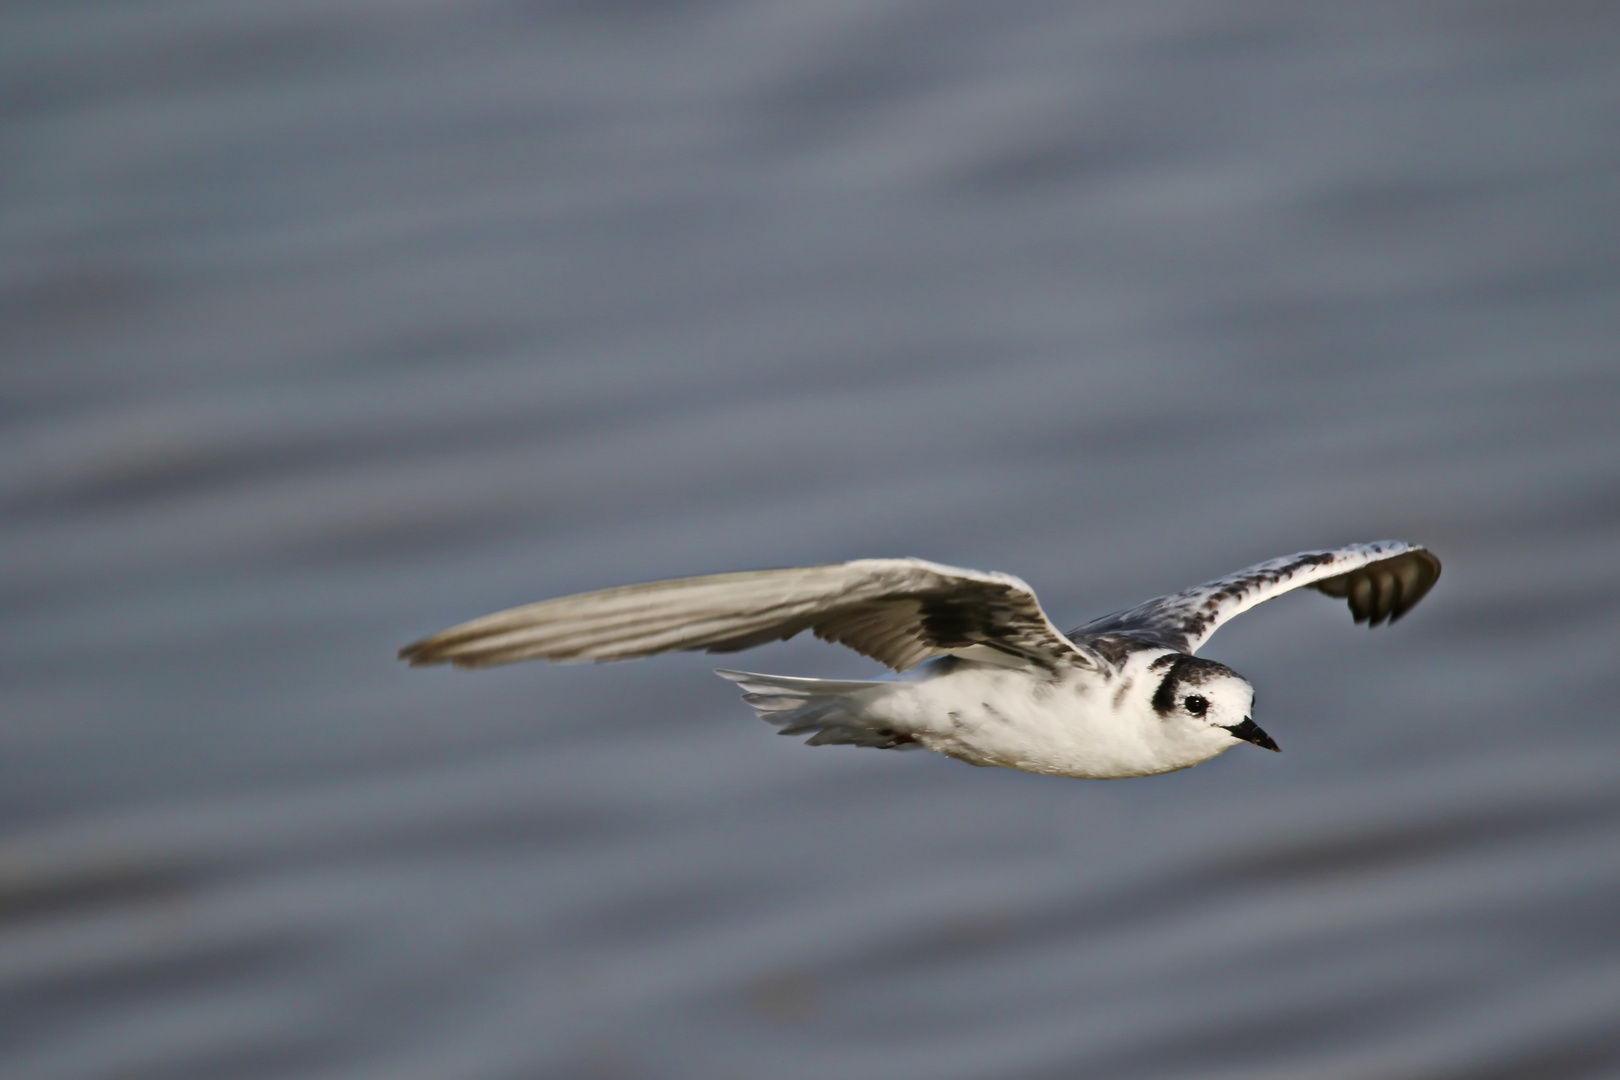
[326, 325]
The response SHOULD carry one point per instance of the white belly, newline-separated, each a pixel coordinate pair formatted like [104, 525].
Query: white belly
[1079, 723]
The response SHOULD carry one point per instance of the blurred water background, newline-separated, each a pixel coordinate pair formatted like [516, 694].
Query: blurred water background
[328, 324]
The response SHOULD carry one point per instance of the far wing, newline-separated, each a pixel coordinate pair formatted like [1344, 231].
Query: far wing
[897, 611]
[1382, 581]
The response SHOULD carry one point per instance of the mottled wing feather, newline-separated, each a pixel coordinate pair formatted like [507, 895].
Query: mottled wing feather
[1382, 582]
[900, 612]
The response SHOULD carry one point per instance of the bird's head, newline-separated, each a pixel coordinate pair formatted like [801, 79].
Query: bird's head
[1204, 703]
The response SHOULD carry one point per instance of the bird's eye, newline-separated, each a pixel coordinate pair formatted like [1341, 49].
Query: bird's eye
[1196, 705]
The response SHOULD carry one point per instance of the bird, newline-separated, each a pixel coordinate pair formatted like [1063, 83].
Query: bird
[982, 673]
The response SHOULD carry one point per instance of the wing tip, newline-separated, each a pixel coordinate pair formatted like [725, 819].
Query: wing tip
[463, 653]
[419, 654]
[1380, 592]
[422, 654]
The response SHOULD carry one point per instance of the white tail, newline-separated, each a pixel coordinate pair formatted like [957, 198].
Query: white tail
[826, 707]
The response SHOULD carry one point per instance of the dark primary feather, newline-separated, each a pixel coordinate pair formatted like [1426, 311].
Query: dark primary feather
[1384, 591]
[1382, 582]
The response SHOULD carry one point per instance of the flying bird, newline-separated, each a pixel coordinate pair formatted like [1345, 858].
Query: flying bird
[995, 681]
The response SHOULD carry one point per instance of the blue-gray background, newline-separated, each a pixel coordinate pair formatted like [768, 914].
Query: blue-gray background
[332, 322]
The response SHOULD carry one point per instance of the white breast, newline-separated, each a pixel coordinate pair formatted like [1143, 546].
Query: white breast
[1078, 723]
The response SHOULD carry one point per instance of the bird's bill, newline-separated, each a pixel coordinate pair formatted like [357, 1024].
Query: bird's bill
[1249, 731]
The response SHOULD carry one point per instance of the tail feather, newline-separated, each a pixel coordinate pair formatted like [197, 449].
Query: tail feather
[823, 707]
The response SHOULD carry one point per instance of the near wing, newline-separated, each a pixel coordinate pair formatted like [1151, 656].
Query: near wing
[897, 611]
[1382, 581]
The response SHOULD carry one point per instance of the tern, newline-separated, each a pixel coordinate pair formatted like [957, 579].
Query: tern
[993, 681]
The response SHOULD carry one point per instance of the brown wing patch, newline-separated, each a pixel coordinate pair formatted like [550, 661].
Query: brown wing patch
[904, 632]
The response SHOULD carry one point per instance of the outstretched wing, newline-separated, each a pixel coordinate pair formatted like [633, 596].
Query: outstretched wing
[897, 611]
[1382, 581]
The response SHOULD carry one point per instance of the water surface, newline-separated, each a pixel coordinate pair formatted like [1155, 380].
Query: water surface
[328, 325]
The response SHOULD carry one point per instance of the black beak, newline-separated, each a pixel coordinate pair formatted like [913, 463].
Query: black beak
[1249, 731]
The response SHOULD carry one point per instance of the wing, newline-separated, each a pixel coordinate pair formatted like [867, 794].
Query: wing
[1382, 581]
[897, 611]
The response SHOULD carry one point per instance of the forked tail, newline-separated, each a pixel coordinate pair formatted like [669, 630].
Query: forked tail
[831, 710]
